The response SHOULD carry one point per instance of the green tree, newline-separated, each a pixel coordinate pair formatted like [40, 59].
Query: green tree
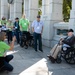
[40, 5]
[66, 9]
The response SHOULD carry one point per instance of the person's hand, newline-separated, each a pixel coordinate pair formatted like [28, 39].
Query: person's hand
[14, 38]
[61, 39]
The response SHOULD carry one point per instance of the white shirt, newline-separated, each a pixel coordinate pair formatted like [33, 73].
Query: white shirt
[37, 26]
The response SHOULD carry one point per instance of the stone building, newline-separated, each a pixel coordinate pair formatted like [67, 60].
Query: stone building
[51, 15]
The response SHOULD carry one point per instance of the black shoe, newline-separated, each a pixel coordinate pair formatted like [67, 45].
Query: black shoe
[8, 42]
[18, 43]
[26, 47]
[36, 50]
[52, 59]
[49, 57]
[41, 50]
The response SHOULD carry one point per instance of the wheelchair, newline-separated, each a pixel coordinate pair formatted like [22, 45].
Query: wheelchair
[27, 37]
[68, 55]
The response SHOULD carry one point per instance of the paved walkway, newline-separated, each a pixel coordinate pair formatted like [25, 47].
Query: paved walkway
[29, 62]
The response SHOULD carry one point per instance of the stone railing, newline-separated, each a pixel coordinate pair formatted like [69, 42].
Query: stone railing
[60, 30]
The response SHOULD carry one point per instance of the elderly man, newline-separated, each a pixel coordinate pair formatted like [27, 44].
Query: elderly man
[24, 28]
[37, 28]
[65, 44]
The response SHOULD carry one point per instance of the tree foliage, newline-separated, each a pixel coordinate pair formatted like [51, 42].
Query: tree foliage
[67, 4]
[40, 3]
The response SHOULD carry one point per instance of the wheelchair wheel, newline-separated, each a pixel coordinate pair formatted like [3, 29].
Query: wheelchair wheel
[70, 57]
[58, 60]
[31, 43]
[22, 45]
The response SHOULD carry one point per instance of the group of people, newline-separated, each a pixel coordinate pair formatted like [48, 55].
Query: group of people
[8, 27]
[20, 26]
[23, 26]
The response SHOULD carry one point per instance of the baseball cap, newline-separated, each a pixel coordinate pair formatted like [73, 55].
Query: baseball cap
[70, 30]
[38, 16]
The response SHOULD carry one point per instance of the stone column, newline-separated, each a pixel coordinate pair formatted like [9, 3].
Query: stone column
[12, 12]
[31, 9]
[4, 8]
[17, 8]
[72, 17]
[26, 8]
[45, 7]
[52, 13]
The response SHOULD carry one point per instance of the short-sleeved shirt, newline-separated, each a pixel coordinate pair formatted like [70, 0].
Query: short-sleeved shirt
[37, 26]
[3, 21]
[3, 48]
[24, 23]
[10, 24]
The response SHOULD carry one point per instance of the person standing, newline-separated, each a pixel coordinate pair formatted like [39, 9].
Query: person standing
[24, 28]
[37, 28]
[17, 29]
[9, 33]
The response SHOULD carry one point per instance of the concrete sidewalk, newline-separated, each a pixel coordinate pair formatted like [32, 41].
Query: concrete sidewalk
[29, 62]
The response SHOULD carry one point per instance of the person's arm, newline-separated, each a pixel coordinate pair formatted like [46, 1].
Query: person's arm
[20, 24]
[28, 27]
[42, 27]
[42, 30]
[69, 41]
[12, 43]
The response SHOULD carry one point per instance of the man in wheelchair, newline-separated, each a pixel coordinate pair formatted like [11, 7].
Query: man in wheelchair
[65, 44]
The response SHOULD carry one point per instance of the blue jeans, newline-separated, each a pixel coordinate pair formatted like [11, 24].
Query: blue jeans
[37, 37]
[6, 65]
[17, 36]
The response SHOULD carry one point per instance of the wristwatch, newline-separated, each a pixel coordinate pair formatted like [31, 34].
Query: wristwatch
[10, 1]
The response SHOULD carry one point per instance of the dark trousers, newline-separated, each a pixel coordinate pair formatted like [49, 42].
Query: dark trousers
[9, 35]
[37, 37]
[26, 38]
[17, 36]
[5, 63]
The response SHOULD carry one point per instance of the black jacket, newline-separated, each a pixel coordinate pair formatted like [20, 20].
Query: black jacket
[70, 41]
[17, 25]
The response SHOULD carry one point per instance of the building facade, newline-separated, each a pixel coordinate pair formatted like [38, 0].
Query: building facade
[51, 15]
